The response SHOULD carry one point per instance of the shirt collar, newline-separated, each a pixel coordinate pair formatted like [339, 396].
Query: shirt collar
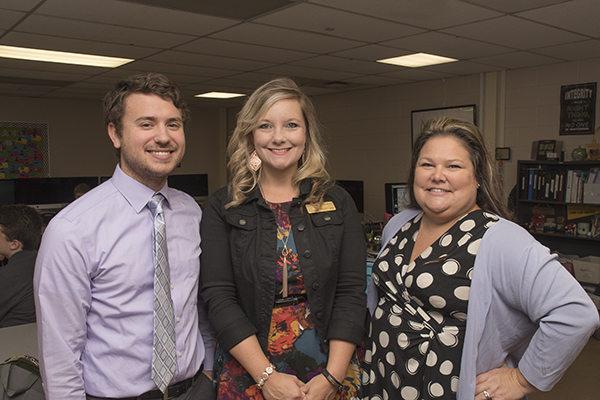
[137, 194]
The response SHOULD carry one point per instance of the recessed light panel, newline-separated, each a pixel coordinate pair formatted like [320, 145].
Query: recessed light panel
[23, 53]
[219, 95]
[417, 60]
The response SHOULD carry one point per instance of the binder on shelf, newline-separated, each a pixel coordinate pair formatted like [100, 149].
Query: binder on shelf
[530, 184]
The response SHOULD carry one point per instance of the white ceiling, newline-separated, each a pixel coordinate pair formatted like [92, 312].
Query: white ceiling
[327, 45]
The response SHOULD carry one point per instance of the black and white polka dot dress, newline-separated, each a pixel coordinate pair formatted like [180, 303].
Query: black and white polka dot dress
[417, 330]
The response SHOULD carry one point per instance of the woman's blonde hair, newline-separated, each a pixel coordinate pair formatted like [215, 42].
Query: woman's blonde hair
[489, 192]
[242, 177]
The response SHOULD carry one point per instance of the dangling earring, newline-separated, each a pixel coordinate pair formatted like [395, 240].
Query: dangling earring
[255, 161]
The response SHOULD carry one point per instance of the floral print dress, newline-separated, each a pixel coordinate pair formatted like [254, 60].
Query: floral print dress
[293, 344]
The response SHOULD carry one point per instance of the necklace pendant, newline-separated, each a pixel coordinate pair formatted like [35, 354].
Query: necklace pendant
[285, 277]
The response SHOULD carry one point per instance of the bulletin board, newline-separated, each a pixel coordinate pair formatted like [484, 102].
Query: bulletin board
[23, 150]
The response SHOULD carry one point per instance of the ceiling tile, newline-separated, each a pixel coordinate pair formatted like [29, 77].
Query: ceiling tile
[134, 15]
[198, 73]
[332, 22]
[9, 18]
[513, 6]
[297, 71]
[242, 50]
[580, 16]
[377, 80]
[371, 52]
[60, 27]
[257, 78]
[446, 45]
[519, 59]
[463, 68]
[573, 51]
[232, 64]
[430, 14]
[514, 32]
[417, 74]
[19, 5]
[242, 9]
[47, 75]
[345, 64]
[284, 38]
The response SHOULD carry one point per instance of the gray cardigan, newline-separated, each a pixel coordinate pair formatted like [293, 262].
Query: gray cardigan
[521, 292]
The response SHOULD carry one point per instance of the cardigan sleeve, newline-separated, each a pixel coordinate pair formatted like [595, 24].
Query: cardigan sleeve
[532, 289]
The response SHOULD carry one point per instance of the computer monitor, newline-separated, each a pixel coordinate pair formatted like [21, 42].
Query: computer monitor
[356, 189]
[196, 185]
[44, 193]
[396, 197]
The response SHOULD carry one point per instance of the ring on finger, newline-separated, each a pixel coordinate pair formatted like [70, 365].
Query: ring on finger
[487, 394]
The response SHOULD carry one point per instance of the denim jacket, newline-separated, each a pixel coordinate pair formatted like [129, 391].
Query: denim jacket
[239, 260]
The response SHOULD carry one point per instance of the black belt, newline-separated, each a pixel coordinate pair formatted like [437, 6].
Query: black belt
[176, 389]
[290, 300]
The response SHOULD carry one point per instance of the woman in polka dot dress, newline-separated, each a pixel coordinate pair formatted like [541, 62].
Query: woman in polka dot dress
[421, 284]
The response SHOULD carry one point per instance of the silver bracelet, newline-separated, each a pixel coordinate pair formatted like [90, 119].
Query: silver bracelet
[265, 375]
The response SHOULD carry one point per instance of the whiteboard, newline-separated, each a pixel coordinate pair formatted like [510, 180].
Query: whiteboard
[419, 117]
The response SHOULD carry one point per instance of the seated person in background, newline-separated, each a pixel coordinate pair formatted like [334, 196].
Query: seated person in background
[80, 190]
[20, 233]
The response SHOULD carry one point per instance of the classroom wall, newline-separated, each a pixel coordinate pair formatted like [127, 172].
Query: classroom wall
[533, 109]
[80, 146]
[367, 132]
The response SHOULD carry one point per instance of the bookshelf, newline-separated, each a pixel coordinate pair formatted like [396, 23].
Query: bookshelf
[553, 197]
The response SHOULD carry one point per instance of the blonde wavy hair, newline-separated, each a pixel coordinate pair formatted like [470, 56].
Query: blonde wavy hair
[242, 177]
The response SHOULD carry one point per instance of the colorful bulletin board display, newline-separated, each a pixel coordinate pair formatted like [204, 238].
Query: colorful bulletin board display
[23, 150]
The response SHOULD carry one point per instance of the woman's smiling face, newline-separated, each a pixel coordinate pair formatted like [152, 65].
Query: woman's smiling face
[445, 186]
[280, 136]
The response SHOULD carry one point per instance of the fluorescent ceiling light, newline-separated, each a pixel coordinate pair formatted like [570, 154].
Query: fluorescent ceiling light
[23, 53]
[219, 95]
[417, 60]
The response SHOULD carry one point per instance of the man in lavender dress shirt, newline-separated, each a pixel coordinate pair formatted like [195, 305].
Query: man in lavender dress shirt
[94, 272]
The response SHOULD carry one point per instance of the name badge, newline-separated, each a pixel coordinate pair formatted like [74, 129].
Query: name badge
[326, 206]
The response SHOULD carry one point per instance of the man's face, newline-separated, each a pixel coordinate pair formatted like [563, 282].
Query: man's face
[5, 244]
[152, 143]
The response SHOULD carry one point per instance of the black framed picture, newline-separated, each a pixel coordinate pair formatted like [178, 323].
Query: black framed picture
[419, 117]
[578, 109]
[546, 150]
[502, 153]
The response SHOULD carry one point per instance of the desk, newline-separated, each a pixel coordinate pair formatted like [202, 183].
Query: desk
[18, 341]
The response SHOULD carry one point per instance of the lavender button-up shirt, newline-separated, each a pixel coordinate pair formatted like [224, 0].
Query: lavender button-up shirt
[94, 292]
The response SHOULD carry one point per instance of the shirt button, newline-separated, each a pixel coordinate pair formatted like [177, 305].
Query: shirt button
[307, 254]
[300, 227]
[178, 319]
[319, 315]
[242, 222]
[327, 218]
[172, 286]
[315, 286]
[181, 355]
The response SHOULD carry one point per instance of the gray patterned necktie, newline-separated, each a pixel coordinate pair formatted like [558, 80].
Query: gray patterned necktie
[163, 349]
